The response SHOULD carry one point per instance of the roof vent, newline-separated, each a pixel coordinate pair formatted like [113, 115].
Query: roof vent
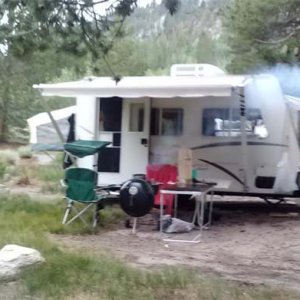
[195, 70]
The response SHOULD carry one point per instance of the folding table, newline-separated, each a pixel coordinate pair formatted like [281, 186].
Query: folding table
[199, 192]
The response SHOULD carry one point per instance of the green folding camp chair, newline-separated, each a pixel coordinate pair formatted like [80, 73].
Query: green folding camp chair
[81, 187]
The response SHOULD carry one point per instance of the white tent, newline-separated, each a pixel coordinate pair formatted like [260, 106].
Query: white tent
[43, 135]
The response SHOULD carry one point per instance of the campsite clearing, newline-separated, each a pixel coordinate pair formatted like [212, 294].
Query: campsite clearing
[252, 242]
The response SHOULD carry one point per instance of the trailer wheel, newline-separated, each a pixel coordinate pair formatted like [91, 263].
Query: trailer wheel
[274, 201]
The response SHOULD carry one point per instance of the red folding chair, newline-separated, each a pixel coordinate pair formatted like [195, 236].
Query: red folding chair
[163, 174]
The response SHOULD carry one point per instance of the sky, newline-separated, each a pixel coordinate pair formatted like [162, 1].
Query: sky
[145, 2]
[101, 8]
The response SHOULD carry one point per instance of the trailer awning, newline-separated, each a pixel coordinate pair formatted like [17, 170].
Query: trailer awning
[147, 86]
[84, 148]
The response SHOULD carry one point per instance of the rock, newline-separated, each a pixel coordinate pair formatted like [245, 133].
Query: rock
[14, 258]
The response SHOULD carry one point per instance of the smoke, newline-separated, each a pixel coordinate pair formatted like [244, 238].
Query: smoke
[288, 77]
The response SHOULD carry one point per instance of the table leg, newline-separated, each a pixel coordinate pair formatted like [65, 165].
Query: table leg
[161, 212]
[202, 202]
[199, 216]
[211, 206]
[175, 206]
[196, 211]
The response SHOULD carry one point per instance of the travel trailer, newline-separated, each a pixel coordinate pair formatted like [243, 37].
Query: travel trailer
[239, 127]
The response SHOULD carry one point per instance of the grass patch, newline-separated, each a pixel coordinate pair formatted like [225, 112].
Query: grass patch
[51, 188]
[7, 162]
[78, 275]
[47, 177]
[48, 173]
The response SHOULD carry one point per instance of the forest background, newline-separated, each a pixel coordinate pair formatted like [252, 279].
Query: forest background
[60, 40]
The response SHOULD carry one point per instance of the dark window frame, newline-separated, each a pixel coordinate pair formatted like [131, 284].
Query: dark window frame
[158, 126]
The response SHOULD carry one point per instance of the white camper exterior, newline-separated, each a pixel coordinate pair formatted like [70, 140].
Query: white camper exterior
[238, 127]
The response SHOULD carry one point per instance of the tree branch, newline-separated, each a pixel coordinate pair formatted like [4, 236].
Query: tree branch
[295, 31]
[20, 33]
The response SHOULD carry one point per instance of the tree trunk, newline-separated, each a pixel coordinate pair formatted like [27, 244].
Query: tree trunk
[4, 116]
[3, 130]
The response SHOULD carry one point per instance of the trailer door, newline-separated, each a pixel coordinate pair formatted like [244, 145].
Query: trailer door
[135, 137]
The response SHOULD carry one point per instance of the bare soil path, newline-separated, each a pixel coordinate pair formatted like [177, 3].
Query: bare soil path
[251, 242]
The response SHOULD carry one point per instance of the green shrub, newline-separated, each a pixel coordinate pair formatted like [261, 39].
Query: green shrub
[3, 166]
[12, 170]
[25, 152]
[8, 156]
[18, 135]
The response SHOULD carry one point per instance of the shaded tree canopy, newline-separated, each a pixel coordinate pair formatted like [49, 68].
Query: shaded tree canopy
[262, 32]
[75, 26]
[53, 40]
[172, 6]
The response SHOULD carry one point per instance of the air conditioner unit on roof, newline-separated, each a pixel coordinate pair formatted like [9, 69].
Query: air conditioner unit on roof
[195, 70]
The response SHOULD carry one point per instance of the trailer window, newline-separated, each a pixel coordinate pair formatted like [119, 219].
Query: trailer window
[111, 114]
[172, 121]
[226, 122]
[136, 120]
[166, 121]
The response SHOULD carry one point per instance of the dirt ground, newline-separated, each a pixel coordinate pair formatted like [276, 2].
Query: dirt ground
[249, 241]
